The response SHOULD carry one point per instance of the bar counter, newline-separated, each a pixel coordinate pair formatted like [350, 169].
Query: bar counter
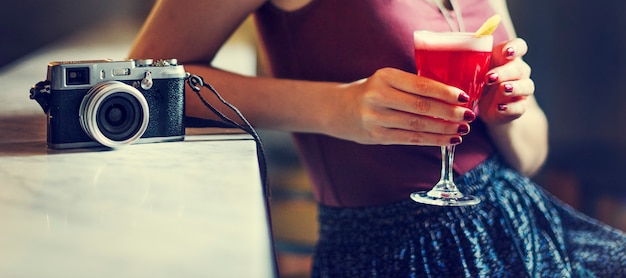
[193, 208]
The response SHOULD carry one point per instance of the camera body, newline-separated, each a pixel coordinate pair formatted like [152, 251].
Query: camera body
[112, 103]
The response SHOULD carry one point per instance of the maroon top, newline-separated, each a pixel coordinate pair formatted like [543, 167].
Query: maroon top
[347, 40]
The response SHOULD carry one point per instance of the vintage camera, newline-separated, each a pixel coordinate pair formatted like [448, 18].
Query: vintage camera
[112, 103]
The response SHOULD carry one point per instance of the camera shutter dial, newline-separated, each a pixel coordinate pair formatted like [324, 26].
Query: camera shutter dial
[144, 62]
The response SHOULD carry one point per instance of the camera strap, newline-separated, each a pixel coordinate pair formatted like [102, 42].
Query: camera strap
[196, 83]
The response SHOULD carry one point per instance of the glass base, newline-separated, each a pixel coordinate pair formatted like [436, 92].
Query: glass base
[444, 198]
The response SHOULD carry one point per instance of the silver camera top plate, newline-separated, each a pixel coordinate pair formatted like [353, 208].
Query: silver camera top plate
[85, 74]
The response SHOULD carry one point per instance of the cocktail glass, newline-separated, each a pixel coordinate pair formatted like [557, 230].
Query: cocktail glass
[461, 60]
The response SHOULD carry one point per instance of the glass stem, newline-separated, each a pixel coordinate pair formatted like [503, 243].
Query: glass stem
[447, 159]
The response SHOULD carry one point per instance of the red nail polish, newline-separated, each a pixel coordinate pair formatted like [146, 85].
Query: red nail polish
[502, 107]
[455, 140]
[463, 98]
[463, 129]
[492, 78]
[469, 116]
[508, 88]
[509, 52]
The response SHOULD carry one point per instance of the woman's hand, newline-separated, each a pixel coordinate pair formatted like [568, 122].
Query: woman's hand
[397, 107]
[508, 84]
[514, 120]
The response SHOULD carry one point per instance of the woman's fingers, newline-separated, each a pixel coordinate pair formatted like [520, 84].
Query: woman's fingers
[397, 107]
[510, 50]
[392, 136]
[517, 88]
[514, 70]
[412, 122]
[409, 93]
[417, 85]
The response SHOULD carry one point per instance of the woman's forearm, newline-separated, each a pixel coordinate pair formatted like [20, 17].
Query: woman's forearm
[289, 105]
[523, 142]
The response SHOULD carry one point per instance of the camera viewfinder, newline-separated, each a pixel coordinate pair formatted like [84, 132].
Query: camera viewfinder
[77, 76]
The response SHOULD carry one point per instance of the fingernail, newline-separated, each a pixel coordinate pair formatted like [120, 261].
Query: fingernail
[464, 98]
[492, 78]
[455, 140]
[469, 116]
[508, 88]
[509, 52]
[463, 129]
[502, 107]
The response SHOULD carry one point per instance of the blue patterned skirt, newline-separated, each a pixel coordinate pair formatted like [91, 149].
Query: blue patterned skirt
[518, 230]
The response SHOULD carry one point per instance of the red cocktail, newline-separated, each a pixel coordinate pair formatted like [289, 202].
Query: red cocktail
[460, 60]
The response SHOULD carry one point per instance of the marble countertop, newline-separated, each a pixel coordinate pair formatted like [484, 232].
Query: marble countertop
[193, 208]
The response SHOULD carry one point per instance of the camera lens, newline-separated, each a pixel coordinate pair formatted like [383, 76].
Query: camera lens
[118, 116]
[113, 114]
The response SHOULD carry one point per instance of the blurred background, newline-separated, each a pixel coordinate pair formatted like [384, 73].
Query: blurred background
[577, 52]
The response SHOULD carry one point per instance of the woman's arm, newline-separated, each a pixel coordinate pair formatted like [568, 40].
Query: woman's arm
[193, 34]
[389, 107]
[514, 120]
